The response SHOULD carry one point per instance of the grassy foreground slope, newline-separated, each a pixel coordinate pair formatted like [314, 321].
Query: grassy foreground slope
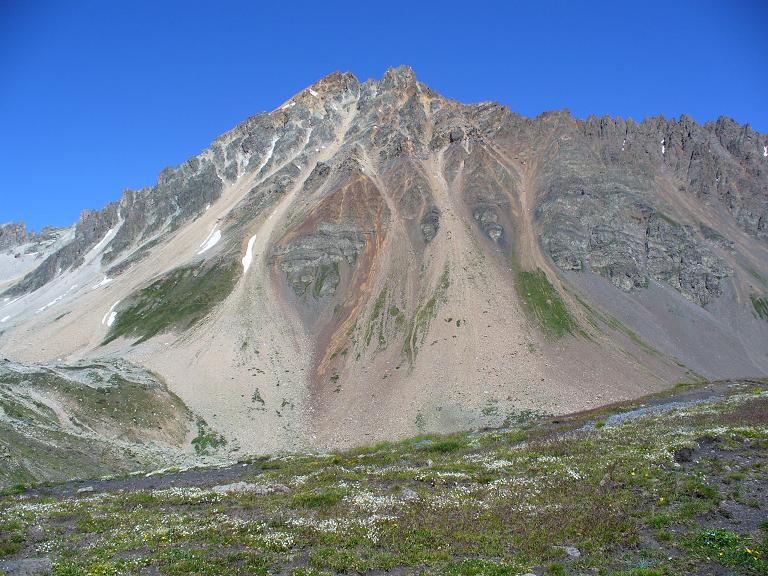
[675, 485]
[63, 421]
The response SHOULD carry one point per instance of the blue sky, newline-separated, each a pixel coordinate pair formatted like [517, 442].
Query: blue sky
[99, 96]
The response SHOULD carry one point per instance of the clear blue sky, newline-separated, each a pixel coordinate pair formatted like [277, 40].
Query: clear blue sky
[98, 96]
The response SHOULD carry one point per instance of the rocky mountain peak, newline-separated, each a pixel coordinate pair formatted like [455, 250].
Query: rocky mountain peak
[398, 77]
[379, 257]
[335, 83]
[12, 234]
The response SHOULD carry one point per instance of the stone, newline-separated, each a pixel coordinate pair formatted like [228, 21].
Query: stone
[430, 224]
[409, 494]
[572, 551]
[26, 567]
[456, 135]
[249, 488]
[35, 533]
[683, 455]
[12, 234]
[488, 220]
[312, 262]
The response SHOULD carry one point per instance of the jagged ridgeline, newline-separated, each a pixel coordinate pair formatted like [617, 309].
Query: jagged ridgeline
[372, 260]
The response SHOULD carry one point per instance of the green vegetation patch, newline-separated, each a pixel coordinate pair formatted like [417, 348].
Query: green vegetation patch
[543, 304]
[94, 398]
[443, 445]
[385, 320]
[325, 272]
[178, 300]
[635, 497]
[761, 306]
[207, 439]
[317, 499]
[730, 549]
[481, 568]
[419, 326]
[376, 320]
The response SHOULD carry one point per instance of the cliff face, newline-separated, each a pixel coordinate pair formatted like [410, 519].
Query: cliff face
[371, 260]
[12, 234]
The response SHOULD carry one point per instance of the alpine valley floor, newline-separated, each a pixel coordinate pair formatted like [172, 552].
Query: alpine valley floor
[676, 483]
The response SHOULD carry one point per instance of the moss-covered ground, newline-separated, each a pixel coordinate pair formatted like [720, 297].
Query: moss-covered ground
[419, 327]
[178, 300]
[678, 489]
[543, 304]
[53, 425]
[761, 306]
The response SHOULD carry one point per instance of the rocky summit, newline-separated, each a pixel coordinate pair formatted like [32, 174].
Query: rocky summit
[372, 261]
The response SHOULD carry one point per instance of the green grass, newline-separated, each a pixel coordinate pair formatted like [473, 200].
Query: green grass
[444, 446]
[419, 326]
[178, 300]
[761, 306]
[324, 272]
[480, 568]
[492, 502]
[115, 404]
[320, 499]
[11, 538]
[207, 440]
[376, 320]
[543, 304]
[399, 317]
[730, 549]
[383, 321]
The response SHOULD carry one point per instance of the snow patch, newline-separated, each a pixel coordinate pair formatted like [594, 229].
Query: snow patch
[248, 258]
[313, 92]
[51, 303]
[8, 301]
[56, 300]
[104, 281]
[110, 316]
[268, 156]
[107, 238]
[5, 319]
[211, 240]
[765, 151]
[207, 207]
[663, 147]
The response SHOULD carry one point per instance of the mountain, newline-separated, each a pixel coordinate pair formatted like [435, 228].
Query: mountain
[372, 260]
